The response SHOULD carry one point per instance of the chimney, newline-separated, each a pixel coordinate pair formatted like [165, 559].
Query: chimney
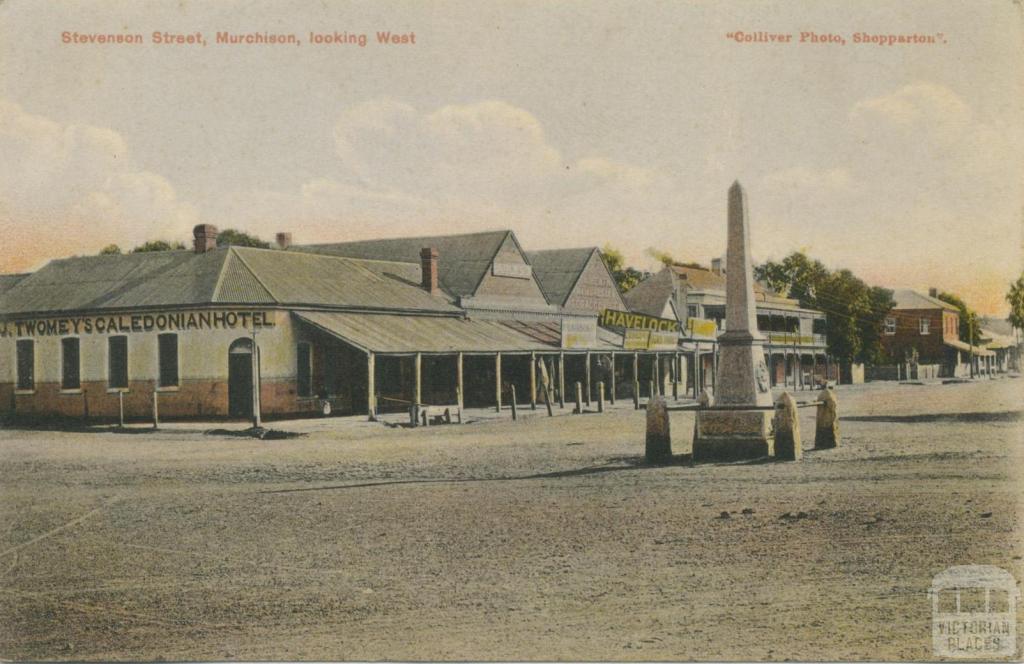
[204, 238]
[716, 265]
[284, 240]
[428, 268]
[933, 292]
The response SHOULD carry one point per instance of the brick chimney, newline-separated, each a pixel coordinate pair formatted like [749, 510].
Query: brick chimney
[204, 238]
[933, 292]
[716, 265]
[284, 240]
[428, 268]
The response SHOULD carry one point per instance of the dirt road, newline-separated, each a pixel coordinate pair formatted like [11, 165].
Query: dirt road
[543, 539]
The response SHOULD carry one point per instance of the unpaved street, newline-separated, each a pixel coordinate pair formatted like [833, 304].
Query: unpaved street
[542, 539]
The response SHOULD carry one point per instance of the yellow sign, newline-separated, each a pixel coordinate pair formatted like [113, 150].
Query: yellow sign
[630, 321]
[649, 340]
[700, 327]
[787, 338]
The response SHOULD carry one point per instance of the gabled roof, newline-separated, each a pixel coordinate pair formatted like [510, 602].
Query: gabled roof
[910, 299]
[558, 270]
[9, 281]
[230, 275]
[462, 259]
[650, 295]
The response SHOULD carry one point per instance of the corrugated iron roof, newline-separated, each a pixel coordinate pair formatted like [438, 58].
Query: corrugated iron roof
[910, 299]
[298, 278]
[388, 333]
[9, 281]
[230, 275]
[558, 270]
[650, 295]
[961, 346]
[462, 259]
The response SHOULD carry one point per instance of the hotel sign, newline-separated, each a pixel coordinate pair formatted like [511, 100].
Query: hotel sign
[630, 321]
[649, 340]
[178, 321]
[579, 332]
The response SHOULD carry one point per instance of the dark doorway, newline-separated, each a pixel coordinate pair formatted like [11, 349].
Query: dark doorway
[240, 378]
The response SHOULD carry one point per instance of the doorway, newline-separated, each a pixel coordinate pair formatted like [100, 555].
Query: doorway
[240, 378]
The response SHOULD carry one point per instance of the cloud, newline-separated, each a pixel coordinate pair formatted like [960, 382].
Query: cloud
[73, 188]
[489, 164]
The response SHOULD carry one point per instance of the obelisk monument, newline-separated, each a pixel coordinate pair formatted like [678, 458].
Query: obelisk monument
[742, 378]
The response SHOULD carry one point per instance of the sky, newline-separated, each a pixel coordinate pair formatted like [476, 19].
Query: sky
[572, 123]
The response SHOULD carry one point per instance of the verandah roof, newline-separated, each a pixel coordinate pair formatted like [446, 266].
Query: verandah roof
[388, 333]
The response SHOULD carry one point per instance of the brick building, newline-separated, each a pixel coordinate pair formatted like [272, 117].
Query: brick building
[926, 328]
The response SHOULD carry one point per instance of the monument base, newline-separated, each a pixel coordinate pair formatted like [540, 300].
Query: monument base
[732, 435]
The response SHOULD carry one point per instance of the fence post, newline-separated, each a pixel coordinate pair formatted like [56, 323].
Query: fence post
[515, 413]
[636, 395]
[579, 398]
[600, 396]
[120, 409]
[156, 412]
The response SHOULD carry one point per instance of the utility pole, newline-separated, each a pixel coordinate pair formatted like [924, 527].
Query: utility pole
[256, 420]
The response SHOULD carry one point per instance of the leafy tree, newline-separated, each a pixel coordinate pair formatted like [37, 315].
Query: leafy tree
[625, 277]
[157, 245]
[667, 260]
[969, 322]
[854, 312]
[110, 250]
[1015, 298]
[232, 237]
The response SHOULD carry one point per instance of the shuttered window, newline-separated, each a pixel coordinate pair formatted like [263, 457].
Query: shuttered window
[26, 364]
[168, 348]
[117, 362]
[70, 377]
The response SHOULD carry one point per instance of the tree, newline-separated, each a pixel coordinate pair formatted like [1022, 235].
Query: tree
[1015, 298]
[157, 245]
[110, 250]
[970, 325]
[667, 260]
[232, 237]
[854, 312]
[625, 277]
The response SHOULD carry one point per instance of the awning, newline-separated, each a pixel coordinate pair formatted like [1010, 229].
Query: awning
[550, 333]
[390, 333]
[966, 348]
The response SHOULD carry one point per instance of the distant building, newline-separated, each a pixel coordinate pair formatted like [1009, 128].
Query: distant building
[577, 280]
[796, 351]
[925, 329]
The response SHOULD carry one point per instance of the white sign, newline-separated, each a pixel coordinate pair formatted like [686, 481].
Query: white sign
[579, 332]
[514, 270]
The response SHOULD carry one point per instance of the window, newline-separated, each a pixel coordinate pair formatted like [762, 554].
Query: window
[923, 325]
[691, 310]
[890, 326]
[117, 362]
[304, 372]
[26, 364]
[168, 346]
[70, 378]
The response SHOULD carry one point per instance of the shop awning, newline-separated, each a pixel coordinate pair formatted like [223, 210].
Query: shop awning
[966, 348]
[389, 333]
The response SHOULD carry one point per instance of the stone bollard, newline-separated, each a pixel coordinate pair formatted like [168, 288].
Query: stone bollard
[703, 401]
[658, 441]
[787, 429]
[826, 426]
[600, 396]
[579, 398]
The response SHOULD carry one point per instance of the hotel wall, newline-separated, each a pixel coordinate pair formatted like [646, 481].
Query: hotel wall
[202, 370]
